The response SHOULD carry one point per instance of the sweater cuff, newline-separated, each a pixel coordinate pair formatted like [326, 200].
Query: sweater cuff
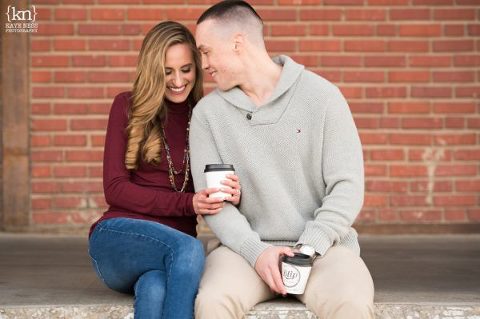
[189, 210]
[318, 240]
[251, 249]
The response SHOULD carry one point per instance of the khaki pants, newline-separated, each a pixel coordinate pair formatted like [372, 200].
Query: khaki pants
[340, 286]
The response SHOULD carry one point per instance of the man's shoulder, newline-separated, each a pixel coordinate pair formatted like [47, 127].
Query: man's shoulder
[205, 104]
[315, 80]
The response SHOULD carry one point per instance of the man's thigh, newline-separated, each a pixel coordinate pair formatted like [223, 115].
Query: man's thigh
[229, 285]
[337, 278]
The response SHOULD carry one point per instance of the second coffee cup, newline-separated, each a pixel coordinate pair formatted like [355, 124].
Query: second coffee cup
[214, 174]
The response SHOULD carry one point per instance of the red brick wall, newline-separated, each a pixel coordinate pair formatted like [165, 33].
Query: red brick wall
[410, 70]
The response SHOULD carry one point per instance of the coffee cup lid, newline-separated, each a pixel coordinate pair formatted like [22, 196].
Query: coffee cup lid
[218, 167]
[298, 259]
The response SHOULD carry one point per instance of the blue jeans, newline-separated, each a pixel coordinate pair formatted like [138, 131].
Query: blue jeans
[160, 265]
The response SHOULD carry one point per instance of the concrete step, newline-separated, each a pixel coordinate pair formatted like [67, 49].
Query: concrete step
[415, 277]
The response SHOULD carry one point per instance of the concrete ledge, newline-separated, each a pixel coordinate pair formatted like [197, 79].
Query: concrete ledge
[416, 277]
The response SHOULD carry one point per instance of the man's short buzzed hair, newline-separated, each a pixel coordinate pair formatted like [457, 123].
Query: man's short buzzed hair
[228, 9]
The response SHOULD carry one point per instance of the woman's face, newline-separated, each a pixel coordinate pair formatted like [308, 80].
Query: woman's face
[179, 72]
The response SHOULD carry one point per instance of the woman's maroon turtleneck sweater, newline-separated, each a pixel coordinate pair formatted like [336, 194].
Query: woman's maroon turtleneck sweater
[146, 193]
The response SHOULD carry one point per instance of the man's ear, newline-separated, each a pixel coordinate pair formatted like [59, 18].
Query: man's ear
[238, 41]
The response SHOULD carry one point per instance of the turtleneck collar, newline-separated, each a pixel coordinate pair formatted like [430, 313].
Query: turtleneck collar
[181, 107]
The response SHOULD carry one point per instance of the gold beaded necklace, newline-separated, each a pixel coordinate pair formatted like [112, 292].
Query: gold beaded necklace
[186, 158]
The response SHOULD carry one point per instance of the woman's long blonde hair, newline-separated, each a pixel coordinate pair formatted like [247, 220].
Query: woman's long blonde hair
[148, 109]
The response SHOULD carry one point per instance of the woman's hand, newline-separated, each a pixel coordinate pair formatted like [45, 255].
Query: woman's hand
[203, 205]
[234, 188]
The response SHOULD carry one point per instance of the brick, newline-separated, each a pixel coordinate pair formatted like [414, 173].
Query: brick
[320, 14]
[288, 30]
[473, 123]
[131, 29]
[431, 92]
[367, 107]
[408, 200]
[454, 107]
[332, 76]
[281, 45]
[109, 45]
[421, 215]
[70, 108]
[49, 125]
[343, 2]
[69, 45]
[429, 155]
[82, 187]
[453, 14]
[86, 93]
[454, 122]
[454, 30]
[407, 171]
[453, 76]
[375, 170]
[473, 214]
[353, 30]
[365, 14]
[67, 202]
[100, 29]
[41, 171]
[422, 123]
[41, 203]
[410, 139]
[45, 187]
[307, 60]
[41, 76]
[84, 156]
[50, 218]
[455, 200]
[430, 61]
[339, 60]
[386, 92]
[70, 14]
[433, 2]
[320, 45]
[299, 2]
[88, 124]
[108, 14]
[94, 108]
[364, 76]
[70, 140]
[109, 77]
[467, 155]
[409, 107]
[473, 29]
[50, 61]
[387, 155]
[410, 14]
[456, 170]
[47, 156]
[466, 60]
[468, 186]
[386, 186]
[122, 61]
[419, 30]
[455, 215]
[123, 1]
[365, 45]
[388, 122]
[423, 186]
[95, 171]
[375, 201]
[40, 108]
[45, 14]
[70, 77]
[40, 45]
[385, 61]
[407, 46]
[387, 215]
[352, 92]
[408, 76]
[387, 2]
[70, 171]
[319, 29]
[455, 139]
[366, 122]
[114, 91]
[39, 141]
[266, 14]
[84, 61]
[55, 29]
[469, 91]
[453, 45]
[373, 138]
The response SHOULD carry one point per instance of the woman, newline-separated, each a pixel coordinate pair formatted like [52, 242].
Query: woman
[145, 242]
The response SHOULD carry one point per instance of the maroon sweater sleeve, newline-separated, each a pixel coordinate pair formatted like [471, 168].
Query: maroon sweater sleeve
[119, 191]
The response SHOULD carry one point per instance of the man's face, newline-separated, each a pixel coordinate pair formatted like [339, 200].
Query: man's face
[218, 56]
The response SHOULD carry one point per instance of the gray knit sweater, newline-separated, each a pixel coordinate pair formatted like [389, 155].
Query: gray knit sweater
[299, 160]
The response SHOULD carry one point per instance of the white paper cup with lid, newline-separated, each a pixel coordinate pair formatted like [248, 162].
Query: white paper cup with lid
[214, 174]
[295, 272]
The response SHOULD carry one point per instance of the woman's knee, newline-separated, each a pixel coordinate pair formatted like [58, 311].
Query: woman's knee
[151, 285]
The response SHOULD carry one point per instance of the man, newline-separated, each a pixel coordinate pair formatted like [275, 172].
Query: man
[292, 140]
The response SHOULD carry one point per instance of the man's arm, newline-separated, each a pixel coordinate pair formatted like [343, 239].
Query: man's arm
[343, 174]
[230, 226]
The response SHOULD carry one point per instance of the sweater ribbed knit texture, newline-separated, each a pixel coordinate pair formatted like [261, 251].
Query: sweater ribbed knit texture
[299, 160]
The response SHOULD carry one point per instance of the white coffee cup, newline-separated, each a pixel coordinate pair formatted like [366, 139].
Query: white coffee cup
[214, 174]
[295, 272]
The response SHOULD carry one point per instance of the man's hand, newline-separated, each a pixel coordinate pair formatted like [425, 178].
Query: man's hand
[267, 267]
